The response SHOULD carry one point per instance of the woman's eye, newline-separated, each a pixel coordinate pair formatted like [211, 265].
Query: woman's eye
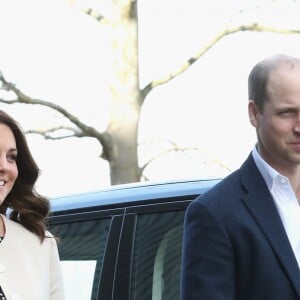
[12, 157]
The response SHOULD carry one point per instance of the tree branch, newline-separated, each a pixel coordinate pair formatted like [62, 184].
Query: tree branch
[252, 27]
[47, 133]
[23, 98]
[175, 148]
[95, 15]
[87, 131]
[91, 12]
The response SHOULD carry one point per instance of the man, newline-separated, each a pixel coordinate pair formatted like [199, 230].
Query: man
[242, 238]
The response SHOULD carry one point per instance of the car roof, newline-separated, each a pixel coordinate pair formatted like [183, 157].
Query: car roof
[133, 192]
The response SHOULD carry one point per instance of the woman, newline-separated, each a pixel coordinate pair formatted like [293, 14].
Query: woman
[29, 261]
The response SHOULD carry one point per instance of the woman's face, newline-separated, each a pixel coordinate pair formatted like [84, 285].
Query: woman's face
[8, 164]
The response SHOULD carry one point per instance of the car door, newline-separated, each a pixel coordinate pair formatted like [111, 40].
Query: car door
[88, 243]
[127, 253]
[149, 256]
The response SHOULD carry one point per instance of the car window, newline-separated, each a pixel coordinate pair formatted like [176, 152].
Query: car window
[81, 248]
[157, 256]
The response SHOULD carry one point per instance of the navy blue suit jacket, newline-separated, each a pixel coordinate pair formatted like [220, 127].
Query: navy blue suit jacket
[235, 246]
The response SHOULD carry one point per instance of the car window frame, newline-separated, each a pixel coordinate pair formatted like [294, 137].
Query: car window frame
[122, 282]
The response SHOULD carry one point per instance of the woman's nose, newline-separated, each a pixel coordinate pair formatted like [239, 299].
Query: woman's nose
[3, 164]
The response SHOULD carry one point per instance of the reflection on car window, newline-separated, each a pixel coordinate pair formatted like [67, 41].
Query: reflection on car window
[81, 247]
[157, 256]
[78, 278]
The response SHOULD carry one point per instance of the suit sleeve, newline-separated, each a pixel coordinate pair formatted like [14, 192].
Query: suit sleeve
[207, 262]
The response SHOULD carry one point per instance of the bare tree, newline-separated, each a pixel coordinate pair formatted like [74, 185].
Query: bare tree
[119, 140]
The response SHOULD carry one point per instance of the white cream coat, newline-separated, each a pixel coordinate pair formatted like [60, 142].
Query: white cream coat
[29, 269]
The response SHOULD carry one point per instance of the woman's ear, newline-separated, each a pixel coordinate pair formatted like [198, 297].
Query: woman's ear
[253, 113]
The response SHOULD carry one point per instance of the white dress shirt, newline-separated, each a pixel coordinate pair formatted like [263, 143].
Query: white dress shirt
[285, 200]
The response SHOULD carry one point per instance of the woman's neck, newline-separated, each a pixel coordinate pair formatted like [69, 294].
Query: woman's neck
[2, 228]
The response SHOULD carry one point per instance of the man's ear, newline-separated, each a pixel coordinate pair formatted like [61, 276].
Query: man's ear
[253, 113]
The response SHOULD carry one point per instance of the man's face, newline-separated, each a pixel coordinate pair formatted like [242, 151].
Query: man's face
[278, 126]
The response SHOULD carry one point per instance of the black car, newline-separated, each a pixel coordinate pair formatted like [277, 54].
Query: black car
[124, 242]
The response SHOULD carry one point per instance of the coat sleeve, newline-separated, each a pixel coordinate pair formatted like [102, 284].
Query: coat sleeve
[56, 278]
[208, 260]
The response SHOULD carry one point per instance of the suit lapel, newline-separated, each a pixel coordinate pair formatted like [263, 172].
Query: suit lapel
[261, 205]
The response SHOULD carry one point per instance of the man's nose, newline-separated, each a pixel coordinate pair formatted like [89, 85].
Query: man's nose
[297, 124]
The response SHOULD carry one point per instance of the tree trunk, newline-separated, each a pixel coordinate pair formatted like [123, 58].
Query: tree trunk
[126, 106]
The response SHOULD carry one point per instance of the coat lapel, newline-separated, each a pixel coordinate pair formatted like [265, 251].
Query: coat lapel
[262, 207]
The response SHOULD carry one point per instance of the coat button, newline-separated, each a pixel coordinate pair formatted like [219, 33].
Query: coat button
[1, 268]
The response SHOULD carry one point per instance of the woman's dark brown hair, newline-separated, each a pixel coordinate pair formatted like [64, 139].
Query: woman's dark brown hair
[26, 206]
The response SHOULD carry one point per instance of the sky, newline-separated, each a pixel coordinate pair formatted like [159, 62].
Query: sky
[54, 52]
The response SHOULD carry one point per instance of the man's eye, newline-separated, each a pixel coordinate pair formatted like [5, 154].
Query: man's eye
[287, 113]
